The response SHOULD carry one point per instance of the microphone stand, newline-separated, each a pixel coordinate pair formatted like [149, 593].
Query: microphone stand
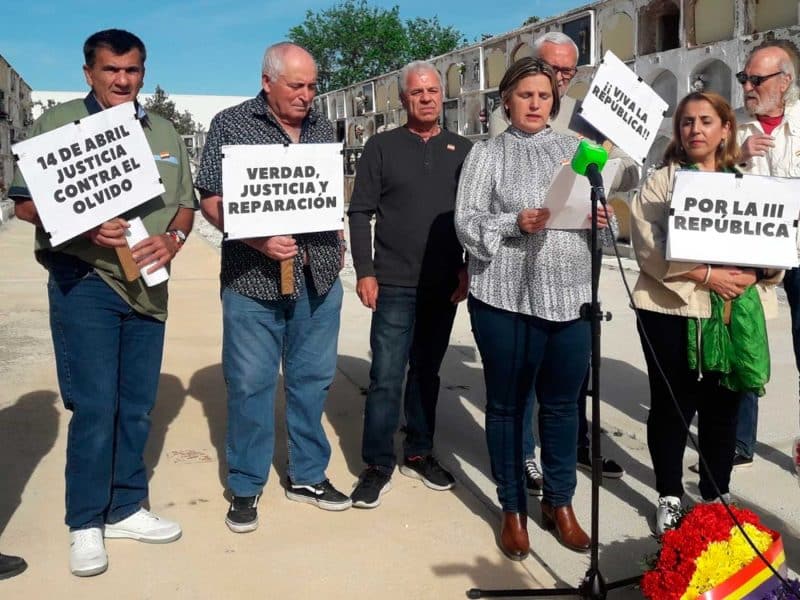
[593, 585]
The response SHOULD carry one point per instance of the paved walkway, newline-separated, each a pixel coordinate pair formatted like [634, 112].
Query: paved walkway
[419, 544]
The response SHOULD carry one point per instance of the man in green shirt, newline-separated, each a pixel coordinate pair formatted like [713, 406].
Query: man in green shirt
[108, 333]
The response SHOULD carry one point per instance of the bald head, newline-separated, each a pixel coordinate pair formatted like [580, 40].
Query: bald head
[289, 78]
[777, 70]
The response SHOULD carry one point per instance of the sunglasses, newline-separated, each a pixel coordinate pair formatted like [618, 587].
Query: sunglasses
[756, 80]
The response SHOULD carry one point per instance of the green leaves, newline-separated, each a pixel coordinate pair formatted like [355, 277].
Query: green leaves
[353, 41]
[160, 104]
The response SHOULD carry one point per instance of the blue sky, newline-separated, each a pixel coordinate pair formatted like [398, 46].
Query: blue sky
[206, 46]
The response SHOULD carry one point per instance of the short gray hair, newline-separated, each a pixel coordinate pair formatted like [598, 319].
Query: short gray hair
[272, 64]
[417, 66]
[553, 37]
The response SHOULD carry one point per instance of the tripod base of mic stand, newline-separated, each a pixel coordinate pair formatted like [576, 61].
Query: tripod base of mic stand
[593, 587]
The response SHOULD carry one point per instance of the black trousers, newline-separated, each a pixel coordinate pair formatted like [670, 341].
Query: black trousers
[715, 406]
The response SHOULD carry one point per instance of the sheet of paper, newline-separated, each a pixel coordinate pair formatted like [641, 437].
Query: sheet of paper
[569, 196]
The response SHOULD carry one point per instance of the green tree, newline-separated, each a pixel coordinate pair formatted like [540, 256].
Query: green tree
[353, 41]
[531, 21]
[160, 104]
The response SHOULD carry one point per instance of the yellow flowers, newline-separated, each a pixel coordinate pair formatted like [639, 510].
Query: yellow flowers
[720, 560]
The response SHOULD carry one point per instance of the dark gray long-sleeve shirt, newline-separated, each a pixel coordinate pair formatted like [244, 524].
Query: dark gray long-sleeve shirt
[410, 186]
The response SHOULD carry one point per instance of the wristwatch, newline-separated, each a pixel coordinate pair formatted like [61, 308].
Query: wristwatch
[177, 235]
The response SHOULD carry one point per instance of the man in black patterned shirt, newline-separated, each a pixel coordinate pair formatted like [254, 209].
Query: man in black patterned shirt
[261, 326]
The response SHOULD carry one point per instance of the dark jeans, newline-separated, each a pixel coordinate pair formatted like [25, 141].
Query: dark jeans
[528, 437]
[410, 327]
[747, 424]
[716, 409]
[791, 285]
[108, 359]
[521, 354]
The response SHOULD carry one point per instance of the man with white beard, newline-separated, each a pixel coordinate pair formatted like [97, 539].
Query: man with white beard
[769, 134]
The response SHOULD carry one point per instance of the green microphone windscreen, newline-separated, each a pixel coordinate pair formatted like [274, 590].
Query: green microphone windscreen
[588, 154]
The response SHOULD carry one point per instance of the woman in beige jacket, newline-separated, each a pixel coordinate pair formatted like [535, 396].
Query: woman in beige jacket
[668, 294]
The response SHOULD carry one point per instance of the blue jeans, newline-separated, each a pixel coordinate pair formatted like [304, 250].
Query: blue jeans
[520, 354]
[528, 437]
[410, 327]
[257, 336]
[108, 360]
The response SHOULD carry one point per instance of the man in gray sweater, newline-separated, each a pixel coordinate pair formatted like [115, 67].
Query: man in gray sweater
[407, 178]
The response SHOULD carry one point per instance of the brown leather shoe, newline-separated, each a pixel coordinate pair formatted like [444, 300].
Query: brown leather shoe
[567, 528]
[514, 536]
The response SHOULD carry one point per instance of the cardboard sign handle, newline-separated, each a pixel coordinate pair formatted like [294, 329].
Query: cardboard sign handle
[287, 276]
[129, 266]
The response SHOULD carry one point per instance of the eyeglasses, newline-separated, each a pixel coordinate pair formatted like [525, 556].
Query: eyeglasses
[566, 72]
[756, 80]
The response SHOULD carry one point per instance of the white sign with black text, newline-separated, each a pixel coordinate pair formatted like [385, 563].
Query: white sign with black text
[730, 219]
[281, 190]
[88, 172]
[623, 107]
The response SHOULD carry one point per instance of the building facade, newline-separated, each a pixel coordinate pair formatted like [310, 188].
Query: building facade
[16, 116]
[676, 46]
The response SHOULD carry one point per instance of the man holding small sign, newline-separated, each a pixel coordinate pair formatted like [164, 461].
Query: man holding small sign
[108, 332]
[262, 325]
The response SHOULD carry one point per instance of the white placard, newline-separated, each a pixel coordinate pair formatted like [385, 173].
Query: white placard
[279, 190]
[623, 107]
[138, 233]
[722, 218]
[569, 196]
[87, 172]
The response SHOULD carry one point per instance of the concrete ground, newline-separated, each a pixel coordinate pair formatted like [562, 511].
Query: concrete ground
[418, 544]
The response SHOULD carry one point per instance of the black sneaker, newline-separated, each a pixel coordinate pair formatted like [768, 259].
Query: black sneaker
[372, 484]
[243, 514]
[534, 480]
[429, 471]
[323, 495]
[11, 566]
[611, 468]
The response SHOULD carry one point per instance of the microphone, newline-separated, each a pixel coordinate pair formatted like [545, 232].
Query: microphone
[589, 160]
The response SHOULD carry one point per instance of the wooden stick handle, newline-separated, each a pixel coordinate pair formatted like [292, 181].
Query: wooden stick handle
[287, 276]
[129, 266]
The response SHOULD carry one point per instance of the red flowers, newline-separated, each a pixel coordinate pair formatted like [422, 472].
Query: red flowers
[681, 547]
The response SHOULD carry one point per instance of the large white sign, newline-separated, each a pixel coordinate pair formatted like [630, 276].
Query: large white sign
[280, 190]
[87, 172]
[722, 218]
[623, 107]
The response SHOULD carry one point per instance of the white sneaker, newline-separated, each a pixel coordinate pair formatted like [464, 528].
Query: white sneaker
[726, 497]
[87, 554]
[145, 527]
[668, 512]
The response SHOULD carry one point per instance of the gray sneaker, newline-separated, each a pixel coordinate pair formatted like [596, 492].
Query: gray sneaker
[534, 480]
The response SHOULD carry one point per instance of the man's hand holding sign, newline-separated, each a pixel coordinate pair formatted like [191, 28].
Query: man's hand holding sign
[270, 190]
[83, 175]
